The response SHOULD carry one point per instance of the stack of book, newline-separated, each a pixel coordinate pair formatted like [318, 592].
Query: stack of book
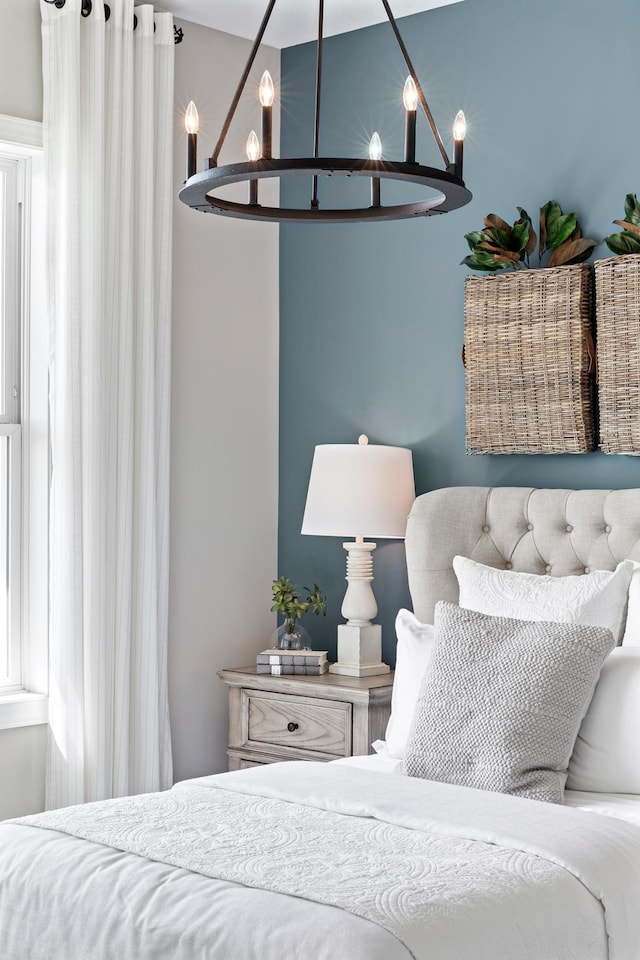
[280, 663]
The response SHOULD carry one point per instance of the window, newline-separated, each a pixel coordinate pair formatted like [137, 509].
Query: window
[13, 178]
[24, 448]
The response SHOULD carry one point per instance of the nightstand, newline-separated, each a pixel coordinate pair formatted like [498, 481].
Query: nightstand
[303, 718]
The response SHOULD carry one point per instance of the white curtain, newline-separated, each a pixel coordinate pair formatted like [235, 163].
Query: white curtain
[108, 123]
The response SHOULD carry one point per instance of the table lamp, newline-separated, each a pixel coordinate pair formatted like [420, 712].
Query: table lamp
[357, 490]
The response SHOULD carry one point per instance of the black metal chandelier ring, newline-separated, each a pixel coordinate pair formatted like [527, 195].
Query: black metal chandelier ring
[451, 192]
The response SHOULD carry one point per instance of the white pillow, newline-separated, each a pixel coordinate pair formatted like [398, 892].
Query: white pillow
[413, 654]
[632, 628]
[597, 599]
[606, 757]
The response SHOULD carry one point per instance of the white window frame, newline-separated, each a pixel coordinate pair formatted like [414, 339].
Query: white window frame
[11, 492]
[15, 174]
[24, 701]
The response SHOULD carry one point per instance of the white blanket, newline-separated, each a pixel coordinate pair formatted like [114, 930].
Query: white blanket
[447, 871]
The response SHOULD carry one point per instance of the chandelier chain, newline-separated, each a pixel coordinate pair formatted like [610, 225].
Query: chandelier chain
[316, 135]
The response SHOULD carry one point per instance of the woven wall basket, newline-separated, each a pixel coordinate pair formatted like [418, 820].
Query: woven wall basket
[618, 328]
[528, 357]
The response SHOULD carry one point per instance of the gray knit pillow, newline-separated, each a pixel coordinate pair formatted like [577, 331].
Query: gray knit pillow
[501, 704]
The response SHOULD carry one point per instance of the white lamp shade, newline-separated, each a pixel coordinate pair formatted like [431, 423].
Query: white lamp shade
[358, 490]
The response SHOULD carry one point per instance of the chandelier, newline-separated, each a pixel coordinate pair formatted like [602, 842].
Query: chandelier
[446, 187]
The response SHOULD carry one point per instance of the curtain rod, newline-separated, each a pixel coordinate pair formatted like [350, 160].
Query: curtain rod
[87, 7]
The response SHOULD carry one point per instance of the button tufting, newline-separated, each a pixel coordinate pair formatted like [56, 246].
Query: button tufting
[529, 526]
[587, 569]
[485, 529]
[548, 568]
[607, 529]
[569, 528]
[507, 566]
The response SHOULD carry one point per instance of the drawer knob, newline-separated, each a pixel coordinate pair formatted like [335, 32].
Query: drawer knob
[291, 726]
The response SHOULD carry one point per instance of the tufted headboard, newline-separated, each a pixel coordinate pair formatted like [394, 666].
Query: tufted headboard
[557, 532]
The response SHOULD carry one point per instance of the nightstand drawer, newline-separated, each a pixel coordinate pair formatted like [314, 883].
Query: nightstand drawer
[303, 718]
[296, 724]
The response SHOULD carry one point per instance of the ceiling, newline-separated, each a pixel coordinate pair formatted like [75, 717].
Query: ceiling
[292, 21]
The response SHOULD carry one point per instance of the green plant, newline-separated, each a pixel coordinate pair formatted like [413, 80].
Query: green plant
[286, 600]
[629, 240]
[500, 246]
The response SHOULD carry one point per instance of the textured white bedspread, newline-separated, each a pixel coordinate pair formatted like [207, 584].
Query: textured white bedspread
[315, 861]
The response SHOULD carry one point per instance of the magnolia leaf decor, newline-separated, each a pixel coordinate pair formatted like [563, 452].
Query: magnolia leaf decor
[499, 246]
[561, 234]
[629, 240]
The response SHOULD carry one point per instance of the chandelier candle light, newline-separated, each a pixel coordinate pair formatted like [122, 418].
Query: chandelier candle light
[356, 490]
[459, 133]
[447, 190]
[253, 152]
[192, 125]
[267, 94]
[410, 100]
[375, 153]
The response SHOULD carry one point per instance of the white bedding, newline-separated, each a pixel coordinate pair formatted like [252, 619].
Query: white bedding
[624, 806]
[450, 872]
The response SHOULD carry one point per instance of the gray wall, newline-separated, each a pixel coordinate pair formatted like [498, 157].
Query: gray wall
[20, 59]
[372, 316]
[224, 418]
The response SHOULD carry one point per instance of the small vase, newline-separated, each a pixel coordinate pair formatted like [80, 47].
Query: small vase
[291, 636]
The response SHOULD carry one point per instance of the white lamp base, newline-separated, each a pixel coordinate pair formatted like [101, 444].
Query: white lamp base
[359, 652]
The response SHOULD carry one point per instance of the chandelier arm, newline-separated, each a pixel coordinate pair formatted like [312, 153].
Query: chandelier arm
[213, 160]
[423, 100]
[316, 134]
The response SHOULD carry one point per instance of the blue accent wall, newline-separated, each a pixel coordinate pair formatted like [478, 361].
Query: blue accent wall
[372, 315]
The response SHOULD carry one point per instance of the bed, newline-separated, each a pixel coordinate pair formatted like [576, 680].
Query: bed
[348, 859]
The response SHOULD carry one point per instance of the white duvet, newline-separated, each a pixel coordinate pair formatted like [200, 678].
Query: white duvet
[317, 861]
